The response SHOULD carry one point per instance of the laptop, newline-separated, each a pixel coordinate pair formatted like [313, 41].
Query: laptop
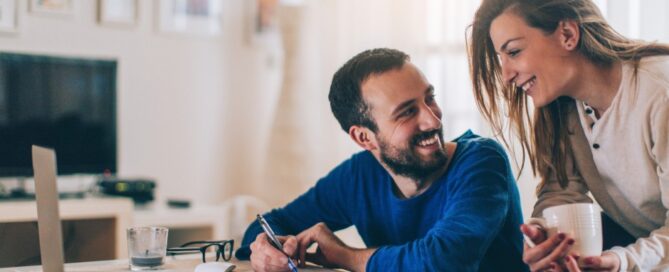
[48, 216]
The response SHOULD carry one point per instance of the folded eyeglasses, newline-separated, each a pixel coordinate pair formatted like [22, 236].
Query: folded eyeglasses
[222, 248]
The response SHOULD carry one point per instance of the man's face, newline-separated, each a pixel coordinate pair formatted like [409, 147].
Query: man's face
[409, 137]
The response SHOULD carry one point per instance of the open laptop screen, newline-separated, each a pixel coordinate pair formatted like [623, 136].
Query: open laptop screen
[48, 217]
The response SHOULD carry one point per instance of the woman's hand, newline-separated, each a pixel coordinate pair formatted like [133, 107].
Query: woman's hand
[607, 262]
[547, 253]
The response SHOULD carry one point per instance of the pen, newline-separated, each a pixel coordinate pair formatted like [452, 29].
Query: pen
[275, 242]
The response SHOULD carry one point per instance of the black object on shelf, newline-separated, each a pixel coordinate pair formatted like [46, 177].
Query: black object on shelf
[140, 190]
[178, 203]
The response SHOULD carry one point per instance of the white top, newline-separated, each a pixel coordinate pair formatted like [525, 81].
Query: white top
[630, 147]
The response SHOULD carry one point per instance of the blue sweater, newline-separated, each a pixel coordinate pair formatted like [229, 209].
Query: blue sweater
[468, 220]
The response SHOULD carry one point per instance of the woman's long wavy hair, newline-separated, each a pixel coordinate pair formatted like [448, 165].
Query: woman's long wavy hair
[544, 137]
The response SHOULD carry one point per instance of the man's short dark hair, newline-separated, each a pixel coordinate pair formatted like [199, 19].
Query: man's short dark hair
[345, 96]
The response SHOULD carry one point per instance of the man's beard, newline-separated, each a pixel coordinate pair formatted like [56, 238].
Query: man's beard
[406, 162]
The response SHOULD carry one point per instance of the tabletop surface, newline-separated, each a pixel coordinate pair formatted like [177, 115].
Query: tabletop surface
[172, 264]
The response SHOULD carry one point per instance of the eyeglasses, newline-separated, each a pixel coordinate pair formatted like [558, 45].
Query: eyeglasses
[223, 249]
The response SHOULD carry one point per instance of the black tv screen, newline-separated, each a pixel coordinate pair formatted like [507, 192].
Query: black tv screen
[68, 104]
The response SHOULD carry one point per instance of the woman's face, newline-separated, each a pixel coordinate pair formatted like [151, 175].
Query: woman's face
[541, 65]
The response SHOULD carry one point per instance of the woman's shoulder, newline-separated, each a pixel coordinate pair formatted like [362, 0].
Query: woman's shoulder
[656, 68]
[653, 76]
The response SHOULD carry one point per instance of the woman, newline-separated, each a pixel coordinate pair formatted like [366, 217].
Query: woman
[600, 123]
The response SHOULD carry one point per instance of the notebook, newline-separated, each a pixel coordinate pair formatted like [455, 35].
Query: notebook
[48, 217]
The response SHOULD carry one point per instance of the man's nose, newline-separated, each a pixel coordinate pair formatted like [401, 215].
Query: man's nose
[430, 119]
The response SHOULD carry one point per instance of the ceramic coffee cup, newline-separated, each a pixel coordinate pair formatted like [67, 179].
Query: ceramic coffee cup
[581, 221]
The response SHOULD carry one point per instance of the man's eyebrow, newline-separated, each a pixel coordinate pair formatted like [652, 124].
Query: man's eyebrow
[429, 89]
[402, 106]
[405, 104]
[503, 47]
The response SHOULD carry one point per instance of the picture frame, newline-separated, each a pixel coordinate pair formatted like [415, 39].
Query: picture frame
[117, 12]
[261, 19]
[265, 15]
[8, 18]
[195, 17]
[64, 8]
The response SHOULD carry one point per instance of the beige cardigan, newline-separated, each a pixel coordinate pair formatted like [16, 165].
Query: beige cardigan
[651, 250]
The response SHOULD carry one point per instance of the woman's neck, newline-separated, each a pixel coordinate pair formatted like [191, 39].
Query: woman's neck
[597, 85]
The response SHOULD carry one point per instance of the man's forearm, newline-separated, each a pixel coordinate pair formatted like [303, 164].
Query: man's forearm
[356, 259]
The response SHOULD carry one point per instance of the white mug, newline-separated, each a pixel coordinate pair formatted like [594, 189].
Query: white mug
[581, 221]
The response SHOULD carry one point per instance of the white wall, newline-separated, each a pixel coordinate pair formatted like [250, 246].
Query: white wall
[180, 98]
[194, 112]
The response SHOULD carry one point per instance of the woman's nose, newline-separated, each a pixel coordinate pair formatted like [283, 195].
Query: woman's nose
[508, 73]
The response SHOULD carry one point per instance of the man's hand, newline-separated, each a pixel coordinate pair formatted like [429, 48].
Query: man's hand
[265, 257]
[331, 251]
[607, 262]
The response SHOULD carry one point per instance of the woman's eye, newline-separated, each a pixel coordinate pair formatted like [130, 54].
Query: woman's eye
[513, 53]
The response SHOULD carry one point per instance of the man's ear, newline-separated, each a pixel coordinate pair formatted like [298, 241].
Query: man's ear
[569, 34]
[363, 136]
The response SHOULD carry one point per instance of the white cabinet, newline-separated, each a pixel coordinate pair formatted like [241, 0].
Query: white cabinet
[94, 229]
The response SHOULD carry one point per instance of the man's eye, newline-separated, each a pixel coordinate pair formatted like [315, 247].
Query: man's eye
[408, 112]
[429, 99]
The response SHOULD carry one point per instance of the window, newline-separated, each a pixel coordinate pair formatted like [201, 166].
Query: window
[446, 65]
[626, 17]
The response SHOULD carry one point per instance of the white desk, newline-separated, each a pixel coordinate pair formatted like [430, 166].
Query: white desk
[97, 222]
[184, 263]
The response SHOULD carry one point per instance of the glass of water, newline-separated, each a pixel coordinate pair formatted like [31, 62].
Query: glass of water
[146, 247]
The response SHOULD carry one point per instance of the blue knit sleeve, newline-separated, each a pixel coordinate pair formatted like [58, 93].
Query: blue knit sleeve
[329, 201]
[478, 201]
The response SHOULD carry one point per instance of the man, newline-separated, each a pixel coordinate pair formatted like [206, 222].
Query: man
[419, 204]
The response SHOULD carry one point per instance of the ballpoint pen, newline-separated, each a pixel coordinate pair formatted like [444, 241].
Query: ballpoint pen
[274, 241]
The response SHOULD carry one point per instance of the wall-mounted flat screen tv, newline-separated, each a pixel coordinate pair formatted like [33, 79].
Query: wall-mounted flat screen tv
[65, 103]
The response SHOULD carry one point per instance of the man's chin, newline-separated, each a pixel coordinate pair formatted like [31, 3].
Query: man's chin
[434, 160]
[433, 165]
[429, 154]
[420, 169]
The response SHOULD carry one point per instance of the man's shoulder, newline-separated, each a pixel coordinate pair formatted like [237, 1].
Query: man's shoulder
[358, 171]
[471, 143]
[363, 158]
[479, 155]
[476, 153]
[360, 161]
